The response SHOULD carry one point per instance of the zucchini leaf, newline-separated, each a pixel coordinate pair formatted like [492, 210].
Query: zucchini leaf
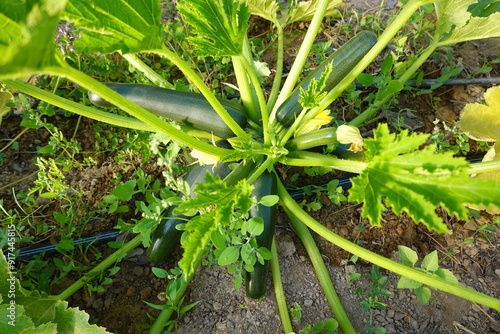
[219, 26]
[304, 10]
[301, 11]
[35, 313]
[457, 24]
[267, 9]
[482, 122]
[128, 26]
[222, 201]
[416, 181]
[27, 38]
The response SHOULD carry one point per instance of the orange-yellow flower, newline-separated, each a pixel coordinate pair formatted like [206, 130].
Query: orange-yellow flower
[348, 134]
[314, 124]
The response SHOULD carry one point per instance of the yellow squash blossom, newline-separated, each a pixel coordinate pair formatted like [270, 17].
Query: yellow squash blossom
[348, 134]
[314, 124]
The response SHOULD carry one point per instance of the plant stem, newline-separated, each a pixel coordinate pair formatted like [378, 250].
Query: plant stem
[397, 23]
[109, 261]
[262, 167]
[244, 87]
[321, 272]
[302, 55]
[140, 113]
[381, 261]
[305, 158]
[407, 75]
[485, 167]
[279, 69]
[257, 89]
[207, 93]
[154, 77]
[279, 292]
[165, 314]
[77, 108]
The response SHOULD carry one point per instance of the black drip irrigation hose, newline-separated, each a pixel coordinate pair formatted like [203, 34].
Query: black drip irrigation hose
[104, 237]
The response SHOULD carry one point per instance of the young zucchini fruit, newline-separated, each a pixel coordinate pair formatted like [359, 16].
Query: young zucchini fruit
[184, 107]
[167, 236]
[343, 61]
[325, 136]
[256, 280]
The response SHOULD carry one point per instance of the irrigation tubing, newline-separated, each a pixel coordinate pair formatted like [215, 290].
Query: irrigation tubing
[104, 237]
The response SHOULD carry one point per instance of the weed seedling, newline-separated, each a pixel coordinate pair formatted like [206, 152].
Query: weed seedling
[373, 295]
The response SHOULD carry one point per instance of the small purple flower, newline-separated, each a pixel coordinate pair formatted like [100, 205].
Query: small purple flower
[65, 37]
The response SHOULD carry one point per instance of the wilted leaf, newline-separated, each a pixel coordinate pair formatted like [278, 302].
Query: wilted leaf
[482, 122]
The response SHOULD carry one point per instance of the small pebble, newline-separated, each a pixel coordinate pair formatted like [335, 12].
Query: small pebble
[217, 306]
[146, 292]
[390, 313]
[138, 271]
[308, 303]
[130, 291]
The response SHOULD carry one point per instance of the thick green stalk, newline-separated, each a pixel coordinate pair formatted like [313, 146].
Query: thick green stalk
[203, 88]
[397, 23]
[279, 292]
[381, 261]
[143, 115]
[77, 108]
[407, 75]
[165, 314]
[154, 77]
[485, 167]
[246, 93]
[109, 261]
[279, 69]
[262, 167]
[301, 58]
[321, 272]
[257, 89]
[306, 158]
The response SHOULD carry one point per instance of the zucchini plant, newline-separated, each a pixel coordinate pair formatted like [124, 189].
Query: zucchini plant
[395, 171]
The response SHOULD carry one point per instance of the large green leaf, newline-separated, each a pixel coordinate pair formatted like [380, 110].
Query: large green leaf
[222, 201]
[124, 25]
[456, 24]
[35, 313]
[219, 27]
[416, 181]
[27, 37]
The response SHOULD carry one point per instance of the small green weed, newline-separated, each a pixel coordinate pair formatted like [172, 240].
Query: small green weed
[373, 295]
[171, 294]
[328, 326]
[430, 265]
